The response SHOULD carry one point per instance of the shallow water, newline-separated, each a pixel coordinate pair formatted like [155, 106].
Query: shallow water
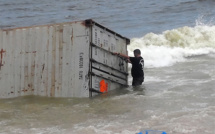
[177, 42]
[176, 99]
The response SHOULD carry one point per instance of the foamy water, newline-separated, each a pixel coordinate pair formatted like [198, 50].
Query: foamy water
[175, 45]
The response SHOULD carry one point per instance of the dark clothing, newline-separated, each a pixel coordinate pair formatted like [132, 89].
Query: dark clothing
[137, 81]
[137, 70]
[137, 67]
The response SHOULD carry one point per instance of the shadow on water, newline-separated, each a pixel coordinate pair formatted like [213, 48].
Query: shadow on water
[139, 90]
[40, 100]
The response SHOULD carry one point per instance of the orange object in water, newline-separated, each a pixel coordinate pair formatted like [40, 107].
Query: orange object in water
[103, 86]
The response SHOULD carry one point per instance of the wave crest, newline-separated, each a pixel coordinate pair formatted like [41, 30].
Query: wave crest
[175, 45]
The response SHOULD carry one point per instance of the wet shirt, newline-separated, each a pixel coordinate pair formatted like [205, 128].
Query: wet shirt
[137, 67]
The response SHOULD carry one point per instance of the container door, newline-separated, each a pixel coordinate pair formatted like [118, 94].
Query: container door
[108, 71]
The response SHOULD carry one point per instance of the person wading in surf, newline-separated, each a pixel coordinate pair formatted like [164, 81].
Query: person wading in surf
[137, 71]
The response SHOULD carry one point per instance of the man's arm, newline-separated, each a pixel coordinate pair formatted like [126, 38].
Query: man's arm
[123, 55]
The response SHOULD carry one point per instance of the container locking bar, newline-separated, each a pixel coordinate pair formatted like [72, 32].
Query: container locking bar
[93, 74]
[109, 73]
[93, 60]
[93, 45]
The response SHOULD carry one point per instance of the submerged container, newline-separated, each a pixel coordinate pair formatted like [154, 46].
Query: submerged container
[61, 60]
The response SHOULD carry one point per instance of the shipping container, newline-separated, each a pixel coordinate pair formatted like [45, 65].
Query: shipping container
[61, 60]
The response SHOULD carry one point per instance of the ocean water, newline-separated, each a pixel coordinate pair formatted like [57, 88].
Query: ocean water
[177, 40]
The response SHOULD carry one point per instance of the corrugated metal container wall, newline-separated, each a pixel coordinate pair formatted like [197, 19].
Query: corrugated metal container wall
[58, 60]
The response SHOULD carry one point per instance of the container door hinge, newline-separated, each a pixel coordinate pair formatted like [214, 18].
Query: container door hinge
[91, 73]
[89, 22]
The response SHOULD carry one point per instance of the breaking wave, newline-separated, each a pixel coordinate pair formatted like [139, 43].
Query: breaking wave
[172, 46]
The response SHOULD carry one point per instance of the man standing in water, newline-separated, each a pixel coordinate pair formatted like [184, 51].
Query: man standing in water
[137, 67]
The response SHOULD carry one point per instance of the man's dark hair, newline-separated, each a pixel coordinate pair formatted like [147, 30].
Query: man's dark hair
[137, 51]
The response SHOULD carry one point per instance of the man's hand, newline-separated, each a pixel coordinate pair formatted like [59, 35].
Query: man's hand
[122, 55]
[116, 53]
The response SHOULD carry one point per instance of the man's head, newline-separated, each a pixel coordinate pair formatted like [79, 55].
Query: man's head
[137, 52]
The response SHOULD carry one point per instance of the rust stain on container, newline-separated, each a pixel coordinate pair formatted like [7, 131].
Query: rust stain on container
[24, 90]
[72, 37]
[61, 30]
[1, 53]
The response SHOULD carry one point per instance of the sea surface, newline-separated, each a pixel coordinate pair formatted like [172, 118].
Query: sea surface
[177, 40]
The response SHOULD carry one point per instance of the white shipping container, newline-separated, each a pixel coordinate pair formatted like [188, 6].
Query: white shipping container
[61, 60]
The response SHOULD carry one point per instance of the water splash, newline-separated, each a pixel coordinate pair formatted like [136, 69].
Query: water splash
[172, 46]
[202, 21]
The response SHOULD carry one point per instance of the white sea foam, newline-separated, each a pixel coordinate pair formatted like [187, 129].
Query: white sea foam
[172, 46]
